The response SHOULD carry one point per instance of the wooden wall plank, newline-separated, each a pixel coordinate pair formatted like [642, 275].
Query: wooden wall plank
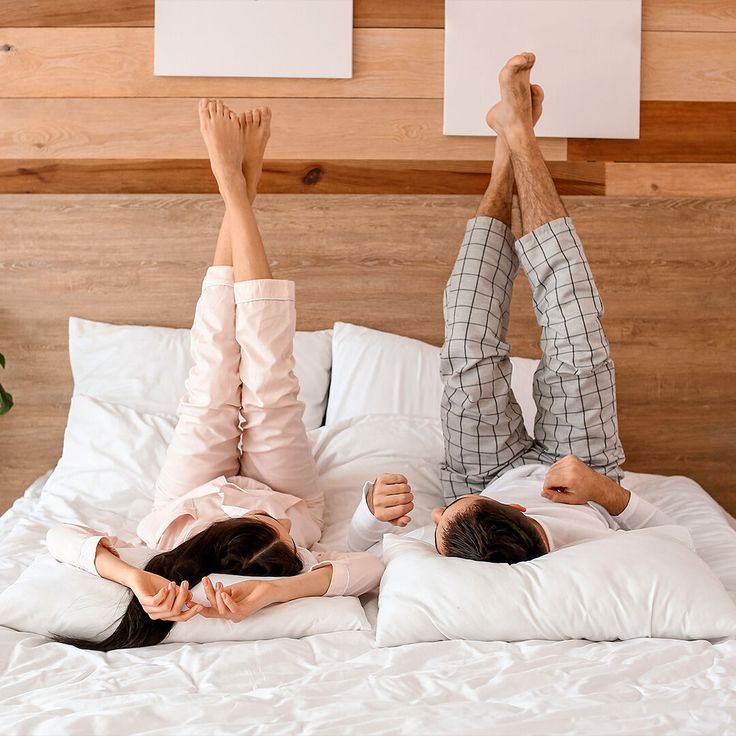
[167, 128]
[366, 13]
[676, 132]
[388, 62]
[670, 180]
[177, 176]
[688, 66]
[689, 15]
[664, 267]
[39, 13]
[659, 15]
[118, 62]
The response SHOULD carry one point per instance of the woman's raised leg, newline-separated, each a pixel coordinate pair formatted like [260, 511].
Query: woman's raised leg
[275, 447]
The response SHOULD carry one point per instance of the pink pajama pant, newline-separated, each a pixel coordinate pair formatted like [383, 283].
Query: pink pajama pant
[242, 347]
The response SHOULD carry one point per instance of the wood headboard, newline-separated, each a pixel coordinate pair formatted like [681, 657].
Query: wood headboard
[664, 267]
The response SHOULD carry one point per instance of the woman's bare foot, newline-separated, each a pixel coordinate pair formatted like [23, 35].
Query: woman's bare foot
[256, 125]
[514, 114]
[221, 130]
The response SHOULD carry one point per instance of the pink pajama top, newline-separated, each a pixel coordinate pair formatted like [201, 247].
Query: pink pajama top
[223, 498]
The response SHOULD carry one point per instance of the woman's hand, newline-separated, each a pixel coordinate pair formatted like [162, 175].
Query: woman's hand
[163, 599]
[240, 600]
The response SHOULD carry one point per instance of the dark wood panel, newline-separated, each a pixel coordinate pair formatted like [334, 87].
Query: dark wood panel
[660, 15]
[366, 13]
[178, 176]
[36, 13]
[670, 132]
[665, 268]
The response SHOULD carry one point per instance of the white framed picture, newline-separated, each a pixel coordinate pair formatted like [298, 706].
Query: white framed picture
[254, 38]
[588, 61]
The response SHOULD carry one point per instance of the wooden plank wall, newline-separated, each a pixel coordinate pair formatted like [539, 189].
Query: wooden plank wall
[83, 114]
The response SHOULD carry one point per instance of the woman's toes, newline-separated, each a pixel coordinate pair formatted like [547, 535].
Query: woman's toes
[249, 117]
[212, 108]
[257, 116]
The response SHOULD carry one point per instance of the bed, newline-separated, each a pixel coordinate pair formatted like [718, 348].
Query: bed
[335, 683]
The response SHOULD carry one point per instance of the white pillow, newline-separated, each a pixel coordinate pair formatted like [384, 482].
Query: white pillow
[645, 583]
[144, 368]
[53, 598]
[377, 372]
[111, 459]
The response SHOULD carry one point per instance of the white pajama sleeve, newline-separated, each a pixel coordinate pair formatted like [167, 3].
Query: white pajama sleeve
[77, 545]
[639, 514]
[365, 530]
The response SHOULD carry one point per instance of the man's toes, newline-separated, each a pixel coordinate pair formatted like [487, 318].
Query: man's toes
[212, 108]
[249, 117]
[220, 108]
[537, 94]
[265, 113]
[257, 116]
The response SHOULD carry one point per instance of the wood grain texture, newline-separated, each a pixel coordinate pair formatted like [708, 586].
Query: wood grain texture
[660, 15]
[167, 128]
[673, 132]
[180, 176]
[689, 15]
[665, 269]
[670, 180]
[118, 62]
[688, 66]
[388, 62]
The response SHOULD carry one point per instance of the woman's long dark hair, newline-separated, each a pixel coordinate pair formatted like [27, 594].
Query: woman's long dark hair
[242, 546]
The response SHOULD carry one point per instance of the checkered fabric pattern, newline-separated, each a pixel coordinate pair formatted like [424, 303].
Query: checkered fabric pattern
[574, 386]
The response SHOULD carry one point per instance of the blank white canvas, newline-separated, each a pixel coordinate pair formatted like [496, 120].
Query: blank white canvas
[588, 61]
[254, 38]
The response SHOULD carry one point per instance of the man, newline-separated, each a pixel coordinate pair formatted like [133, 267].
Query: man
[575, 454]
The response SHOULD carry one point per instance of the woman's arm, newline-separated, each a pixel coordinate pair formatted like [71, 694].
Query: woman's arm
[95, 553]
[342, 574]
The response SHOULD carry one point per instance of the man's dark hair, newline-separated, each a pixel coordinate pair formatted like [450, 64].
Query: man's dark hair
[492, 532]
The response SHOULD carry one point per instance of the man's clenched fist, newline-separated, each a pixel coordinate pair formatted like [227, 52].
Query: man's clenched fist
[390, 499]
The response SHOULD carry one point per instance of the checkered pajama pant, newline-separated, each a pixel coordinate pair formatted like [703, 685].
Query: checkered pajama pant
[574, 385]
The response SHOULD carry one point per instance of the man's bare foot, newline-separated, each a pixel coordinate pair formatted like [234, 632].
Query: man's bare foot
[221, 130]
[514, 114]
[256, 125]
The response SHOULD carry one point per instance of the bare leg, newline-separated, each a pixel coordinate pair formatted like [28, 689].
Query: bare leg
[256, 128]
[497, 200]
[223, 134]
[512, 119]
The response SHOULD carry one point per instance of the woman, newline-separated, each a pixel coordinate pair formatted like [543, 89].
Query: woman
[229, 501]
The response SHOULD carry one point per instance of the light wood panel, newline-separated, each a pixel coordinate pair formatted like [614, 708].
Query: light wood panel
[664, 267]
[388, 62]
[118, 62]
[670, 180]
[167, 128]
[150, 176]
[688, 66]
[662, 15]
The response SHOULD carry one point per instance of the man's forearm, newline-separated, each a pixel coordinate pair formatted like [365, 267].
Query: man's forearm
[612, 497]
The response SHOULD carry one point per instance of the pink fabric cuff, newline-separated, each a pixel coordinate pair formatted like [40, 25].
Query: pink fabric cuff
[218, 276]
[264, 289]
[340, 577]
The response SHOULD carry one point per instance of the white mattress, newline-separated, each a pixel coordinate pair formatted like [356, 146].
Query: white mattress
[342, 684]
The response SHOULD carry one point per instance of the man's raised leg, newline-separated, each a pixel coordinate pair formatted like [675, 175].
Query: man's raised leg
[574, 387]
[481, 419]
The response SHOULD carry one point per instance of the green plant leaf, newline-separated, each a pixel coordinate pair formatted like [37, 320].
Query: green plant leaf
[6, 401]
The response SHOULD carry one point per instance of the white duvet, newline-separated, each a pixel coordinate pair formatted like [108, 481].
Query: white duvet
[342, 683]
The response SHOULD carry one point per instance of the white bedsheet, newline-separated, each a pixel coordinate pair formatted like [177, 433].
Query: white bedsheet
[342, 684]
